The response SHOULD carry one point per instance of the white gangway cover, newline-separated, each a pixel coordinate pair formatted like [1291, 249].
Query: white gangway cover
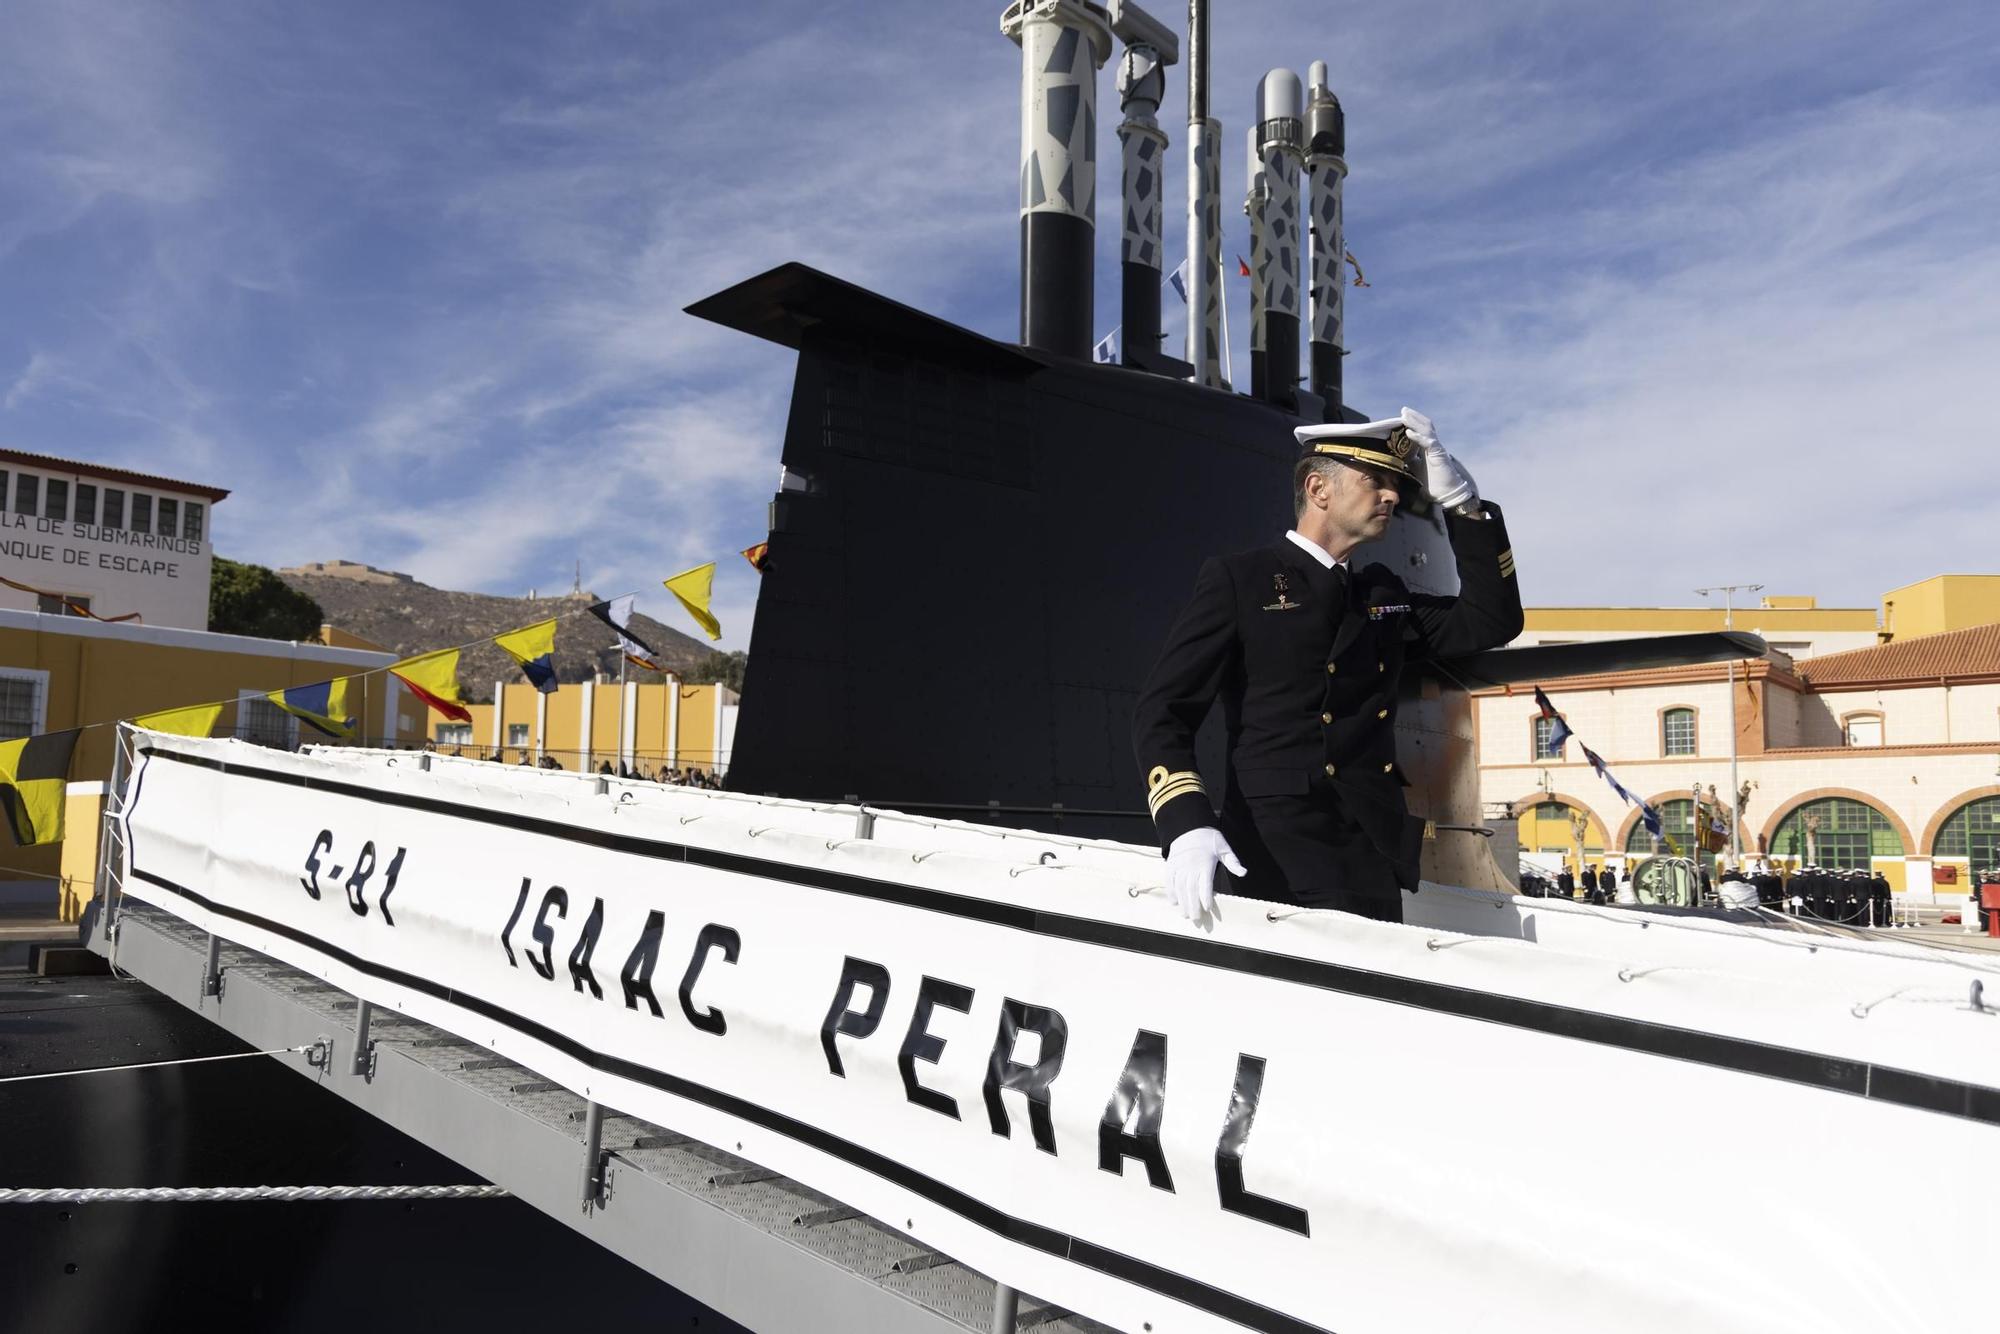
[1506, 1115]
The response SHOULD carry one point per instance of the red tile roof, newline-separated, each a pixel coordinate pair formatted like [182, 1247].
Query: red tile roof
[1952, 656]
[50, 463]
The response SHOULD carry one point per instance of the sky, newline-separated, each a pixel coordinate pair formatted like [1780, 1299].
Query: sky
[1701, 294]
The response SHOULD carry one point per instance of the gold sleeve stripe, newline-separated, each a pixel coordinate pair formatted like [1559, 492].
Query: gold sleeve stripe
[1168, 794]
[1162, 787]
[1507, 563]
[1161, 796]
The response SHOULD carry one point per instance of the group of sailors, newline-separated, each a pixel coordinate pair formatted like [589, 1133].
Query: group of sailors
[1850, 897]
[1599, 884]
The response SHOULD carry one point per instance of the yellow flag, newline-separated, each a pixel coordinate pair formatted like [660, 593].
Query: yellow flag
[693, 588]
[195, 720]
[34, 780]
[433, 678]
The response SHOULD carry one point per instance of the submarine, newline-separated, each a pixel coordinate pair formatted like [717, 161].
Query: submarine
[897, 1032]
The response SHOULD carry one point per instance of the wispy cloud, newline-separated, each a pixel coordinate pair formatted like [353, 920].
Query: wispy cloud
[410, 279]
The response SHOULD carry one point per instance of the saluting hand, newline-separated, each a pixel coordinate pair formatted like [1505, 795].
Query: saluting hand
[1446, 479]
[1191, 862]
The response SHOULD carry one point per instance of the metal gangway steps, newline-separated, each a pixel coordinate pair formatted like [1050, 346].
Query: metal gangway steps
[761, 1249]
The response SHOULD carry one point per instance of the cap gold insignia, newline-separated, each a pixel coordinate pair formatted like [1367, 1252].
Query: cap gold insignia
[1399, 442]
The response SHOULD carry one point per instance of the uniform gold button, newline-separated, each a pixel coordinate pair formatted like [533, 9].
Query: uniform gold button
[1329, 771]
[1378, 664]
[1326, 717]
[1387, 767]
[1329, 669]
[1381, 713]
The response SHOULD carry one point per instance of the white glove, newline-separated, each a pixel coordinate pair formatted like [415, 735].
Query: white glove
[1191, 862]
[1446, 479]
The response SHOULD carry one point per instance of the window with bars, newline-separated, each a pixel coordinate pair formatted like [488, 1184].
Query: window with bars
[170, 517]
[1545, 747]
[114, 507]
[55, 501]
[1677, 732]
[27, 493]
[517, 734]
[21, 700]
[142, 512]
[57, 604]
[3, 489]
[454, 734]
[86, 503]
[1837, 832]
[191, 516]
[262, 723]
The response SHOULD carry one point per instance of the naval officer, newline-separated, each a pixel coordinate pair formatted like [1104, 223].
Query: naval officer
[1304, 650]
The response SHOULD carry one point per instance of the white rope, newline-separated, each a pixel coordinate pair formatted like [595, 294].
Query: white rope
[233, 1194]
[155, 1065]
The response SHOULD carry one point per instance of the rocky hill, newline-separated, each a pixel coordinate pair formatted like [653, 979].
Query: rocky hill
[408, 617]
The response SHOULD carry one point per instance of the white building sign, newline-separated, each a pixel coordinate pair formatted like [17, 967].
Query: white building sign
[79, 536]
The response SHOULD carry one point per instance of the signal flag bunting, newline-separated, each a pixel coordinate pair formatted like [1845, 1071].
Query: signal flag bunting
[694, 588]
[534, 647]
[34, 783]
[433, 678]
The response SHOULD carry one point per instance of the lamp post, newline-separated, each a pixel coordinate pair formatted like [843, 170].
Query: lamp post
[1729, 592]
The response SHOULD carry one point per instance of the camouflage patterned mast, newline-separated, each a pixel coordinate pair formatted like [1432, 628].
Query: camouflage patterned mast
[1063, 45]
[1255, 198]
[1142, 82]
[1281, 151]
[1326, 161]
[1204, 231]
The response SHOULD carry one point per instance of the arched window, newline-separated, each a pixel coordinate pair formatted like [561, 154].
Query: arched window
[1677, 731]
[1972, 831]
[1545, 827]
[1862, 729]
[1850, 834]
[1676, 818]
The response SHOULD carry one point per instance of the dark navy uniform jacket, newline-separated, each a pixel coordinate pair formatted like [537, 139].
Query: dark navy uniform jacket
[1305, 662]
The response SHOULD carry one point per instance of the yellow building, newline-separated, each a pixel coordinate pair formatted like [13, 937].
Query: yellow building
[585, 725]
[1795, 626]
[59, 672]
[1942, 602]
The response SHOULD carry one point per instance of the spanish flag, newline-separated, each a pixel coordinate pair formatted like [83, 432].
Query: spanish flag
[195, 720]
[321, 706]
[433, 678]
[758, 556]
[693, 588]
[535, 649]
[34, 778]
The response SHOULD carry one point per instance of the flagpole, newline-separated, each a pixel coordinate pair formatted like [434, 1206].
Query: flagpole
[1728, 592]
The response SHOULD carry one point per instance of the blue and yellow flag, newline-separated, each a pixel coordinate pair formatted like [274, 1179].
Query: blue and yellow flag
[535, 649]
[322, 706]
[34, 781]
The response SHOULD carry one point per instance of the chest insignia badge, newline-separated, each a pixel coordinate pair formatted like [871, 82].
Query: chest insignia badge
[1281, 584]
